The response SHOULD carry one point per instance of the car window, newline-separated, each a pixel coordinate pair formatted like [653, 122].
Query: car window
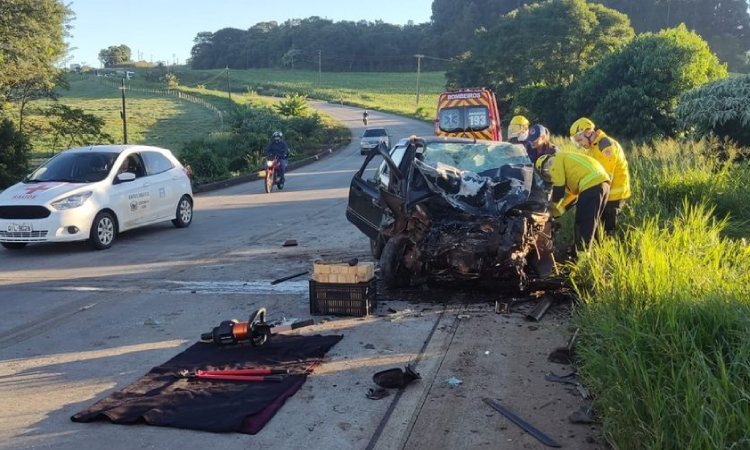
[133, 164]
[375, 132]
[157, 163]
[476, 157]
[74, 168]
[397, 154]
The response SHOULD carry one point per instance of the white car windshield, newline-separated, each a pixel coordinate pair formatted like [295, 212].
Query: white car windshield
[376, 132]
[74, 168]
[475, 157]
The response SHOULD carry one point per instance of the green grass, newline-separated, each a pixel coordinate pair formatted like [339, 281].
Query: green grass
[665, 314]
[393, 92]
[152, 120]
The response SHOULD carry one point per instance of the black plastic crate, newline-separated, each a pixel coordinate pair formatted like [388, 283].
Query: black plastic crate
[343, 299]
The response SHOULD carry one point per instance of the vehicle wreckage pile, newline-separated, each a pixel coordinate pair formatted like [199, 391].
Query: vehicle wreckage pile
[459, 211]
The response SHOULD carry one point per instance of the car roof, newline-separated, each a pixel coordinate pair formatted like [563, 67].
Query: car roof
[113, 149]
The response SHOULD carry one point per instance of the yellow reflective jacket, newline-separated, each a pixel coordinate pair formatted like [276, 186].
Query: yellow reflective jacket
[610, 155]
[576, 172]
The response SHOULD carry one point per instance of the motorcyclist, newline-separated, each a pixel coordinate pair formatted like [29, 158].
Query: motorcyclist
[365, 115]
[278, 148]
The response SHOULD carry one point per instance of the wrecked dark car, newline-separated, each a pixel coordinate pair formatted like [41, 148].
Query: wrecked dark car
[454, 211]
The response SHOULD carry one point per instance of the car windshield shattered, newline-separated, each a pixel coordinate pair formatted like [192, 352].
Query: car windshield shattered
[482, 178]
[74, 168]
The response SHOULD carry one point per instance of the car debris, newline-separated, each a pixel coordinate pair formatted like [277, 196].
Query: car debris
[455, 211]
[564, 355]
[290, 243]
[396, 378]
[565, 379]
[527, 427]
[541, 308]
[290, 277]
[377, 393]
[583, 415]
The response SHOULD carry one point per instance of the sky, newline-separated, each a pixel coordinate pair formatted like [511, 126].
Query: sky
[163, 30]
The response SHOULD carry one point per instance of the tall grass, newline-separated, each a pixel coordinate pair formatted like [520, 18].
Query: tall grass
[665, 314]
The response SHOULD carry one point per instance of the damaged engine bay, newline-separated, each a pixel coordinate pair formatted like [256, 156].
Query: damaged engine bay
[470, 213]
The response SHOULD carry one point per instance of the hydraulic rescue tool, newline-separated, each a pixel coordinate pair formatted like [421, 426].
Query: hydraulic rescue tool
[256, 330]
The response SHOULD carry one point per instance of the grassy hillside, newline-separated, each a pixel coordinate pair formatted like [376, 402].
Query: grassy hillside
[152, 120]
[394, 92]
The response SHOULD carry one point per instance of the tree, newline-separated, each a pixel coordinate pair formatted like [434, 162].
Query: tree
[114, 54]
[548, 43]
[75, 127]
[14, 154]
[32, 40]
[634, 91]
[721, 108]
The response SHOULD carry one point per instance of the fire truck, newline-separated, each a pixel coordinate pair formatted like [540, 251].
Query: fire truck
[468, 113]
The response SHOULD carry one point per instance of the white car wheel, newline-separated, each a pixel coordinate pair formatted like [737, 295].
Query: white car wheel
[184, 216]
[103, 231]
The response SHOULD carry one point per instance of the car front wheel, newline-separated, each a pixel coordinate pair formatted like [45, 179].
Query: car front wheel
[395, 275]
[14, 245]
[103, 231]
[184, 216]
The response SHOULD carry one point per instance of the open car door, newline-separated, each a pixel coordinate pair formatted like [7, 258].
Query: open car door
[364, 209]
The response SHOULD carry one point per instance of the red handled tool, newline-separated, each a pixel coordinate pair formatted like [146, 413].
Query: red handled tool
[250, 375]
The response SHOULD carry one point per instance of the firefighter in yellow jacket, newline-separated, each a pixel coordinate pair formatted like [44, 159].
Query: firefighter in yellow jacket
[610, 155]
[575, 174]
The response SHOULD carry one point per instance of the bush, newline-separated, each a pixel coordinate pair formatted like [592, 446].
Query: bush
[542, 104]
[294, 106]
[171, 80]
[721, 108]
[205, 164]
[634, 91]
[14, 154]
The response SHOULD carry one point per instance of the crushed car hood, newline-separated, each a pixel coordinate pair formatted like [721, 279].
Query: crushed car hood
[492, 192]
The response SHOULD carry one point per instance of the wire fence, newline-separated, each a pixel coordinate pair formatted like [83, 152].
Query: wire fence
[168, 93]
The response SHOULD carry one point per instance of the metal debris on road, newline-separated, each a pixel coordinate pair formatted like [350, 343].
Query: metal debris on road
[290, 277]
[290, 243]
[566, 379]
[377, 394]
[564, 355]
[541, 308]
[527, 427]
[584, 415]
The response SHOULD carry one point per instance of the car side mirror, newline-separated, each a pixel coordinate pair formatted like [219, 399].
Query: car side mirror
[125, 177]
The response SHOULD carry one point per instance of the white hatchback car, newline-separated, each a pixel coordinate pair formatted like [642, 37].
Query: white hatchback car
[93, 194]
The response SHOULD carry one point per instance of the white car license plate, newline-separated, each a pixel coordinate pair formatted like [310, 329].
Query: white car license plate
[23, 227]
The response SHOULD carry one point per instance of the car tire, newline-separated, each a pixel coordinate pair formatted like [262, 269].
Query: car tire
[14, 245]
[376, 247]
[103, 231]
[184, 213]
[391, 267]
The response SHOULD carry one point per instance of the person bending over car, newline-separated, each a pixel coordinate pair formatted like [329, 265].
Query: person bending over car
[538, 143]
[278, 147]
[576, 174]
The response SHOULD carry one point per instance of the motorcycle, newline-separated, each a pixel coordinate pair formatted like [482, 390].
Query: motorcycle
[273, 175]
[364, 120]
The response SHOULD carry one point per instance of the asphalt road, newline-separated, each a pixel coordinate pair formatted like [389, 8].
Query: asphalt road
[77, 325]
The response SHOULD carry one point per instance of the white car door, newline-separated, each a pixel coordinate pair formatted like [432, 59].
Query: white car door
[161, 183]
[132, 199]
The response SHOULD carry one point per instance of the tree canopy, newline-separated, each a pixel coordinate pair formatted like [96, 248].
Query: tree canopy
[547, 43]
[114, 54]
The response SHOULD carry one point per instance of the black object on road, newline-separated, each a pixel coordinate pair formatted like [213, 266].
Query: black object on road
[281, 280]
[396, 378]
[527, 427]
[541, 308]
[564, 355]
[159, 398]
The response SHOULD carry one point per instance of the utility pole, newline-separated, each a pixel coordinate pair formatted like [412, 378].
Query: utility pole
[229, 86]
[124, 115]
[320, 66]
[419, 70]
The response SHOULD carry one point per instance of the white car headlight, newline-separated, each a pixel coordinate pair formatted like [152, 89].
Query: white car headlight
[74, 201]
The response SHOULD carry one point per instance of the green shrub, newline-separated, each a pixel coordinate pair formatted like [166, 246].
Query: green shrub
[293, 106]
[721, 108]
[634, 91]
[542, 104]
[205, 164]
[15, 149]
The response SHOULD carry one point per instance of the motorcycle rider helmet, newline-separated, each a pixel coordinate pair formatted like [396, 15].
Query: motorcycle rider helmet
[277, 136]
[542, 165]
